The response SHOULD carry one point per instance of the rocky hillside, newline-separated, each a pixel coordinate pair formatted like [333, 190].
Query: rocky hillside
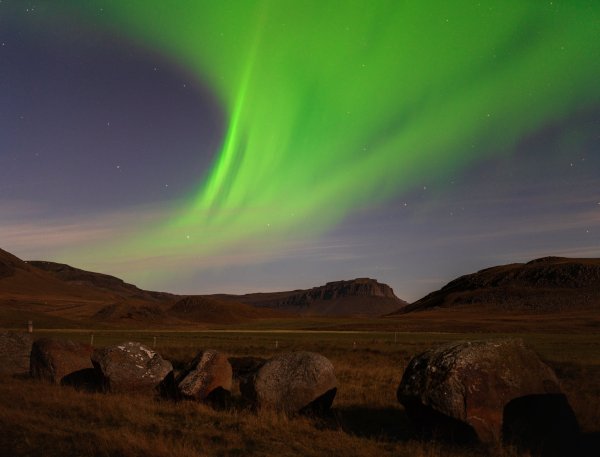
[546, 284]
[358, 297]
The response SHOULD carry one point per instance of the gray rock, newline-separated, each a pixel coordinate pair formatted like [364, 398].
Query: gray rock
[291, 383]
[208, 375]
[14, 353]
[53, 360]
[130, 367]
[463, 388]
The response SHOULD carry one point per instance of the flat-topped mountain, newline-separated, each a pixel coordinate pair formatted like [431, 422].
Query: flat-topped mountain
[546, 284]
[358, 297]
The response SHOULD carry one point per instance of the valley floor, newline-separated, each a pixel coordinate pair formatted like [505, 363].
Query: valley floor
[39, 419]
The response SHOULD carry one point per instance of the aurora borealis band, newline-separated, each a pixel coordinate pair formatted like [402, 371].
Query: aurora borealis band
[331, 107]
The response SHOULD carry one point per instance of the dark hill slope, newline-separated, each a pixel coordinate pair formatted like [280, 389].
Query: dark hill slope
[111, 284]
[197, 308]
[9, 264]
[30, 293]
[18, 279]
[548, 284]
[54, 294]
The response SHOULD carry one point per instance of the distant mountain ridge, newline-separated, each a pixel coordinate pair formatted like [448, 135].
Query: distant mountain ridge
[545, 284]
[60, 294]
[359, 297]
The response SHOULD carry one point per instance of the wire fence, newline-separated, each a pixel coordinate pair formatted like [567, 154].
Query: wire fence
[247, 341]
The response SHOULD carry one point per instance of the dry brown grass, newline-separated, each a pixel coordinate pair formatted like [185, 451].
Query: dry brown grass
[37, 419]
[48, 420]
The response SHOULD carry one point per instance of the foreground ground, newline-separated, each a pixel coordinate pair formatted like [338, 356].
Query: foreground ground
[39, 419]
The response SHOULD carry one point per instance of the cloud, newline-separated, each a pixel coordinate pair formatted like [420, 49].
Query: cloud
[29, 231]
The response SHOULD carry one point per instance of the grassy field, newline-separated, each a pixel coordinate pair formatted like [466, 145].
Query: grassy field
[45, 420]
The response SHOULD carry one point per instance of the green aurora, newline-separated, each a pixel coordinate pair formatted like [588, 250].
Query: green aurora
[333, 105]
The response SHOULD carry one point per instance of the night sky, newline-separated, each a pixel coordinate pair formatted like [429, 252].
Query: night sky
[241, 146]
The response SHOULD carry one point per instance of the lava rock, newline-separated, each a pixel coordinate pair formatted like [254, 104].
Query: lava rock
[54, 360]
[206, 378]
[296, 382]
[476, 391]
[14, 353]
[130, 367]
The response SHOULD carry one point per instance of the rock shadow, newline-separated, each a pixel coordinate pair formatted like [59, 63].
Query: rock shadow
[86, 380]
[320, 406]
[220, 399]
[430, 424]
[167, 388]
[21, 376]
[589, 445]
[543, 425]
[391, 424]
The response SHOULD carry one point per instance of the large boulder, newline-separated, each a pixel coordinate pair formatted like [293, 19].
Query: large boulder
[15, 348]
[130, 367]
[292, 383]
[206, 378]
[481, 389]
[58, 361]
